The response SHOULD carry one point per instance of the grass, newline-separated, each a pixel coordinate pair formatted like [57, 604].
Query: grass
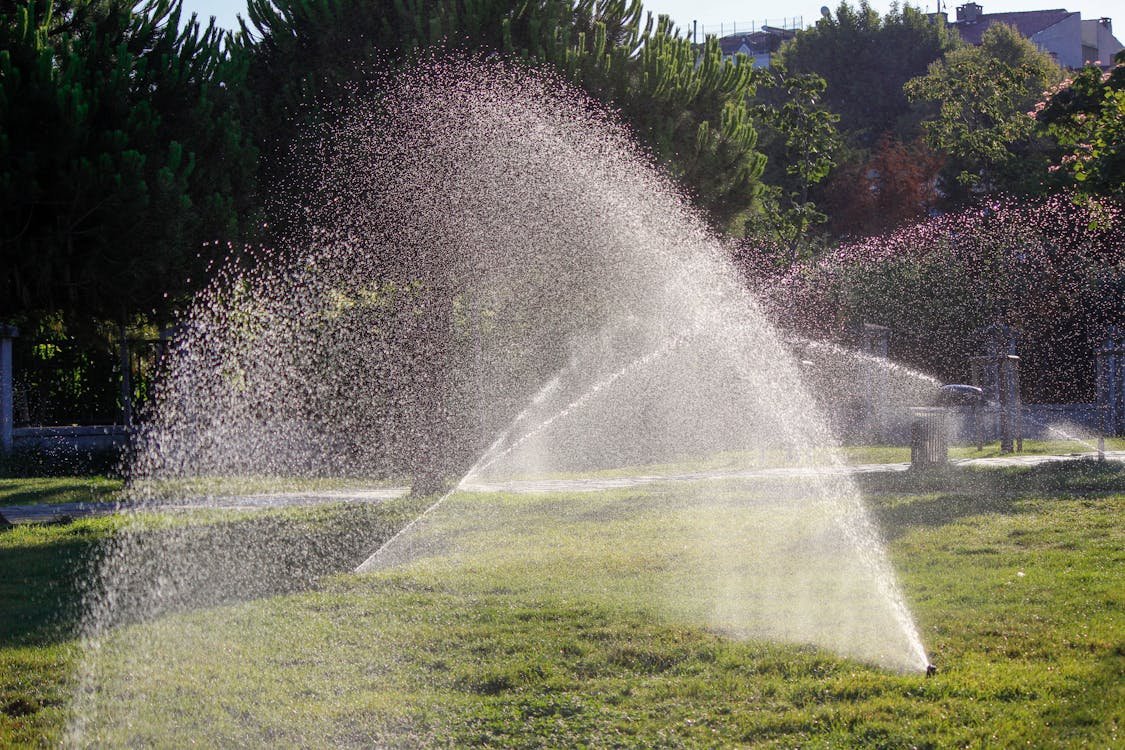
[877, 454]
[39, 594]
[53, 490]
[1012, 574]
[94, 488]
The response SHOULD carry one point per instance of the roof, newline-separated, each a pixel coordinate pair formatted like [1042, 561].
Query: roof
[768, 39]
[1028, 23]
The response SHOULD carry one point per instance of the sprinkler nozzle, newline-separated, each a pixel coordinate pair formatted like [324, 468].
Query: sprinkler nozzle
[931, 670]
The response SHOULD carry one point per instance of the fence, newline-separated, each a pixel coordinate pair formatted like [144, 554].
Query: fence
[59, 392]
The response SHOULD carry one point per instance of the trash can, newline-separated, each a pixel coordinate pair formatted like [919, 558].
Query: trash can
[929, 438]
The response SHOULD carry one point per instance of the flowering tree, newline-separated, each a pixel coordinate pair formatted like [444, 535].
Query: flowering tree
[1050, 268]
[1086, 115]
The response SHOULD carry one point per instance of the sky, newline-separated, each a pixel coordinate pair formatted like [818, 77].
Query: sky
[734, 15]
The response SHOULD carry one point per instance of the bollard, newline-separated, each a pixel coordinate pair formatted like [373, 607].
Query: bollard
[7, 412]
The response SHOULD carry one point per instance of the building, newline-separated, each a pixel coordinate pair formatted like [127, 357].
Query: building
[1072, 41]
[759, 45]
[1098, 42]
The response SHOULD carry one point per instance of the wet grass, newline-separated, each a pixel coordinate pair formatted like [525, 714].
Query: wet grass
[46, 567]
[1035, 448]
[1013, 576]
[39, 591]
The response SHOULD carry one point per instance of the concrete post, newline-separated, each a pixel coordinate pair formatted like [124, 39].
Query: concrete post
[1111, 383]
[1003, 384]
[126, 363]
[7, 412]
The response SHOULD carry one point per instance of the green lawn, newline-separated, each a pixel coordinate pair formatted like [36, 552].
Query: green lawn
[78, 489]
[1013, 577]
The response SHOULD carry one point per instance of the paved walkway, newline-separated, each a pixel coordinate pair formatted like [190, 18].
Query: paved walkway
[56, 512]
[49, 513]
[596, 484]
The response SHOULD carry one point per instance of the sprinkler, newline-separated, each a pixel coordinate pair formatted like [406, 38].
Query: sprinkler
[931, 670]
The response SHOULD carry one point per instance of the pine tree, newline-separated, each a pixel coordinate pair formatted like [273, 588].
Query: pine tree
[308, 58]
[119, 155]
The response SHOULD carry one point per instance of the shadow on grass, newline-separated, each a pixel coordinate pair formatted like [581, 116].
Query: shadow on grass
[907, 500]
[40, 589]
[186, 563]
[79, 489]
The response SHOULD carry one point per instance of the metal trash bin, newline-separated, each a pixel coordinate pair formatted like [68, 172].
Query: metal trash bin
[929, 437]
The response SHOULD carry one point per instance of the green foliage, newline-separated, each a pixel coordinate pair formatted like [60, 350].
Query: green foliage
[117, 154]
[801, 143]
[308, 61]
[866, 60]
[1086, 115]
[981, 95]
[1049, 267]
[691, 108]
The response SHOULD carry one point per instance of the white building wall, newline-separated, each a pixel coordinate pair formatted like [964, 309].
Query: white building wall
[1064, 41]
[1100, 36]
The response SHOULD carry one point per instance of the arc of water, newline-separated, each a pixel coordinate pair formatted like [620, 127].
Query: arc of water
[856, 524]
[882, 362]
[485, 461]
[369, 562]
[641, 361]
[1061, 432]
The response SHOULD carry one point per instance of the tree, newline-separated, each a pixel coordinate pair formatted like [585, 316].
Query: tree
[1046, 265]
[1086, 115]
[801, 144]
[307, 58]
[691, 107]
[897, 183]
[865, 61]
[316, 65]
[980, 97]
[118, 156]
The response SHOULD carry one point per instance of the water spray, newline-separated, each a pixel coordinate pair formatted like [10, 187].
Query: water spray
[486, 460]
[511, 182]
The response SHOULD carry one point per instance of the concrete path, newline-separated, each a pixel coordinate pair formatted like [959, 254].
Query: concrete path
[56, 512]
[44, 513]
[597, 484]
[1035, 460]
[612, 483]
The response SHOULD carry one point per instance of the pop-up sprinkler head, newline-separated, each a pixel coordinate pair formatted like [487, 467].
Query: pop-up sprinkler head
[931, 670]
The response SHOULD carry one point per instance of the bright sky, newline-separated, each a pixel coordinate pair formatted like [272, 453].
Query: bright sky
[738, 15]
